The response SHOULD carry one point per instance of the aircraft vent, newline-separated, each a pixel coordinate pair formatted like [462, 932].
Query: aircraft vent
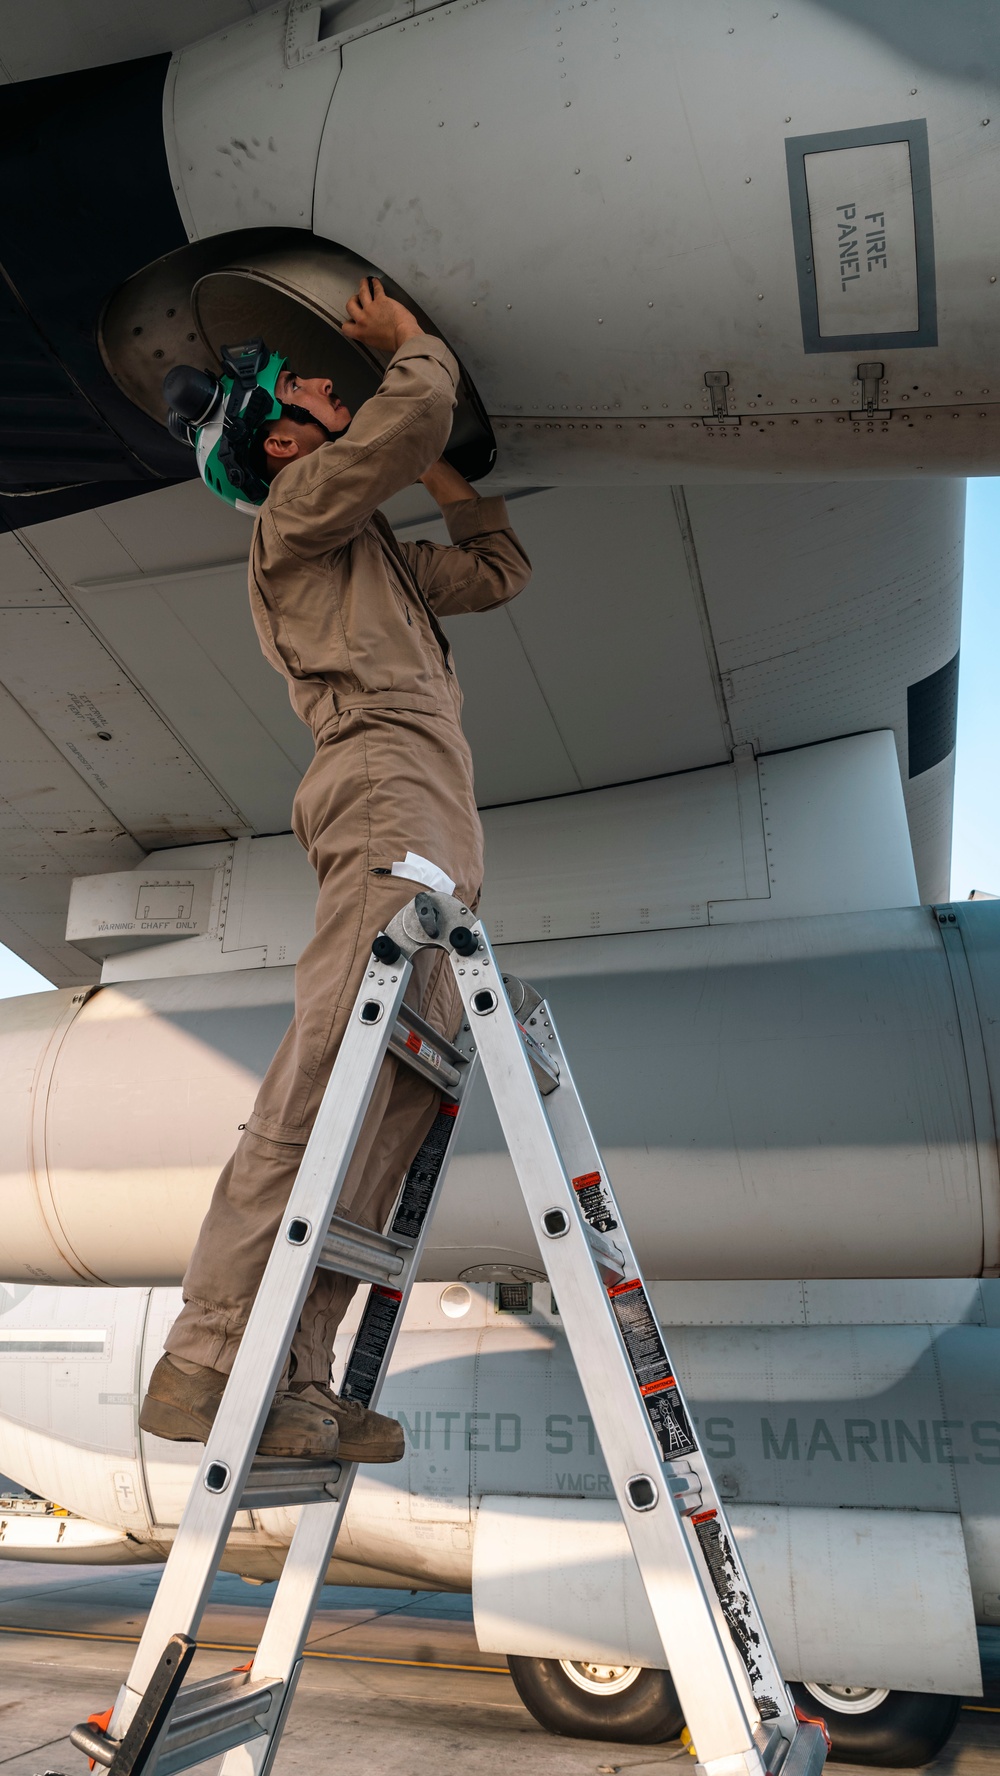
[282, 284]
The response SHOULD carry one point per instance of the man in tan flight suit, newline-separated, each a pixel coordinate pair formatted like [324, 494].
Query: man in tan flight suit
[350, 617]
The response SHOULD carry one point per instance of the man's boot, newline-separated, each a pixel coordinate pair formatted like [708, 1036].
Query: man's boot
[365, 1436]
[182, 1400]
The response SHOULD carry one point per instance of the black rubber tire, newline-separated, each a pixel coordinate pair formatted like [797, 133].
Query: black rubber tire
[647, 1713]
[907, 1729]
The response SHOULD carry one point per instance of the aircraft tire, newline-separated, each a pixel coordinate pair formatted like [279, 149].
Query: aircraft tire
[893, 1728]
[628, 1703]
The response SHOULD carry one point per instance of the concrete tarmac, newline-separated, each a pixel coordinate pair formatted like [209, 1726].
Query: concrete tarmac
[393, 1681]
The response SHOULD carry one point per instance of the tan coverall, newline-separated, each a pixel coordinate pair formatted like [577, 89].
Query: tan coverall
[349, 615]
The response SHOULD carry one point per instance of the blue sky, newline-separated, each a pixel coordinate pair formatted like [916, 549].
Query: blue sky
[976, 849]
[975, 858]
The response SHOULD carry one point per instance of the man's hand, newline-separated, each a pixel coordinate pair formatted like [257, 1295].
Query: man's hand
[446, 485]
[376, 320]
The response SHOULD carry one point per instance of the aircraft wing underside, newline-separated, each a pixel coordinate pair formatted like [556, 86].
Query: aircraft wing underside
[691, 597]
[663, 629]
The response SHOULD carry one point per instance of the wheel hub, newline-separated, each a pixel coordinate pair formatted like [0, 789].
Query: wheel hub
[600, 1680]
[847, 1698]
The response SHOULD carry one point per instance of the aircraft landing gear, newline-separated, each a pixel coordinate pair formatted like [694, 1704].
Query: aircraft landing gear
[894, 1728]
[587, 1700]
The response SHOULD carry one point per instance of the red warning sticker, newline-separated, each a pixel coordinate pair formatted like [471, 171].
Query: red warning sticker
[595, 1205]
[448, 1110]
[648, 1357]
[388, 1294]
[413, 1041]
[703, 1517]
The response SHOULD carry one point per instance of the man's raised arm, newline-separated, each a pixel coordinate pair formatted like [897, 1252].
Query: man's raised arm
[391, 441]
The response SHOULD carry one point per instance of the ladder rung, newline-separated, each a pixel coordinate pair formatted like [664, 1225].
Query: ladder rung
[545, 1069]
[211, 1718]
[360, 1252]
[426, 1050]
[277, 1480]
[414, 1021]
[207, 1718]
[610, 1260]
[194, 1695]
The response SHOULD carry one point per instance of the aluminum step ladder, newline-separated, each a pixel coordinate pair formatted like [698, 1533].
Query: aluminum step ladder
[739, 1714]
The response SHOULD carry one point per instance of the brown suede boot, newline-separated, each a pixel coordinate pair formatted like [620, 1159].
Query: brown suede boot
[365, 1436]
[181, 1404]
[303, 1428]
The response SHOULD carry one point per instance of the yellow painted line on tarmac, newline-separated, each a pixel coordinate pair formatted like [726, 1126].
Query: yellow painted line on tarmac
[223, 1646]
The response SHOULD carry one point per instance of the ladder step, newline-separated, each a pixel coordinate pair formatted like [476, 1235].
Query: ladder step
[426, 1050]
[545, 1069]
[610, 1259]
[359, 1252]
[206, 1719]
[212, 1717]
[278, 1480]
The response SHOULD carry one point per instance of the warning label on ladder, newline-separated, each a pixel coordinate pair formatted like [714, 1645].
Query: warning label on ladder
[593, 1202]
[735, 1601]
[382, 1307]
[371, 1343]
[418, 1190]
[648, 1358]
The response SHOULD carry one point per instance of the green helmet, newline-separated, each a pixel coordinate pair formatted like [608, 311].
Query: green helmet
[220, 417]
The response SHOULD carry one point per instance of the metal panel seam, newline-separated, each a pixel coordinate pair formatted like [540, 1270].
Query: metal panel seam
[689, 546]
[138, 1356]
[38, 1160]
[84, 616]
[756, 875]
[978, 1077]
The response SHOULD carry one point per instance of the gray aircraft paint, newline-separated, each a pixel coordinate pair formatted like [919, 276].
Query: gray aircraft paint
[896, 1416]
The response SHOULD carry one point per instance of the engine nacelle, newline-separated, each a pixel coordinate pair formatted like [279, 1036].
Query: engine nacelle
[640, 281]
[795, 1097]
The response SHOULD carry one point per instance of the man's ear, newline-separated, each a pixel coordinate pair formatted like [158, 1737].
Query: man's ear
[280, 447]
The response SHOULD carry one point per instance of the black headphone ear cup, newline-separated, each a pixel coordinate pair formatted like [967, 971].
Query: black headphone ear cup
[191, 394]
[180, 428]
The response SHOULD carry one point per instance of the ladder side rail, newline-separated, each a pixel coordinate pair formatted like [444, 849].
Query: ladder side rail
[580, 1150]
[304, 1572]
[232, 1443]
[718, 1706]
